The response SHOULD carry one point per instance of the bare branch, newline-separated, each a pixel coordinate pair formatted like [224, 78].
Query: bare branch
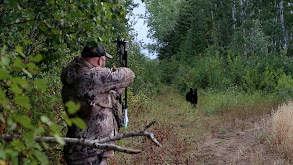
[25, 21]
[149, 125]
[76, 141]
[99, 143]
[31, 35]
[132, 134]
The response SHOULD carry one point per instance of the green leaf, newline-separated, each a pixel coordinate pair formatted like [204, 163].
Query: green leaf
[27, 73]
[14, 157]
[55, 128]
[2, 95]
[4, 61]
[59, 140]
[41, 84]
[19, 50]
[32, 67]
[55, 31]
[3, 74]
[79, 122]
[72, 107]
[19, 80]
[25, 121]
[18, 63]
[15, 88]
[2, 154]
[41, 128]
[11, 124]
[22, 101]
[35, 58]
[41, 157]
[46, 120]
[18, 145]
[67, 120]
[27, 42]
[44, 27]
[29, 140]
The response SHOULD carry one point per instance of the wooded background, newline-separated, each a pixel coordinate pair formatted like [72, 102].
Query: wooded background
[219, 44]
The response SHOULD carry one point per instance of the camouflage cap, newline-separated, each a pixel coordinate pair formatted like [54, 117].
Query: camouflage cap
[97, 51]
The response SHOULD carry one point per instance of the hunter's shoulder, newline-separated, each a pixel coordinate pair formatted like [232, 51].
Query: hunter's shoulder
[73, 70]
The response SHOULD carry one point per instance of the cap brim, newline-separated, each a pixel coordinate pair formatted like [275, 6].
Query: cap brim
[108, 55]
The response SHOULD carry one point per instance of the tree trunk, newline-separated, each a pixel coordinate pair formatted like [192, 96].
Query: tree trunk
[234, 15]
[212, 13]
[242, 12]
[281, 7]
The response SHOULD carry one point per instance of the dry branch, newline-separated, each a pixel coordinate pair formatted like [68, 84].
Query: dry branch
[132, 134]
[98, 143]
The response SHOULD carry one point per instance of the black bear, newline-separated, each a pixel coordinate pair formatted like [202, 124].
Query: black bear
[191, 96]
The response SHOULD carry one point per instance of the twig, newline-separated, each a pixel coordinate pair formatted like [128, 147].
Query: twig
[31, 35]
[95, 143]
[19, 22]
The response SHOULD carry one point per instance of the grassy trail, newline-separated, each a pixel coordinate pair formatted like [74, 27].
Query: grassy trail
[202, 135]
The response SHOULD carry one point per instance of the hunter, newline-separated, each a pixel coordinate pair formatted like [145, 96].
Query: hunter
[88, 82]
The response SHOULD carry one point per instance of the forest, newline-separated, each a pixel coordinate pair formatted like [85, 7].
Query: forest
[237, 53]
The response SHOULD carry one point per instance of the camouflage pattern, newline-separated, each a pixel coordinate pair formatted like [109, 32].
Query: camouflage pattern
[92, 87]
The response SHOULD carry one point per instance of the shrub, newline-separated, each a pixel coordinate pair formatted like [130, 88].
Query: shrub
[285, 86]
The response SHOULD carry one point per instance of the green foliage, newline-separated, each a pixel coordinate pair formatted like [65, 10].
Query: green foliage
[250, 40]
[285, 86]
[48, 26]
[208, 73]
[213, 102]
[205, 47]
[147, 72]
[23, 106]
[42, 37]
[15, 107]
[217, 72]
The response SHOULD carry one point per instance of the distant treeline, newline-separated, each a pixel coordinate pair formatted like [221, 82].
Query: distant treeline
[220, 44]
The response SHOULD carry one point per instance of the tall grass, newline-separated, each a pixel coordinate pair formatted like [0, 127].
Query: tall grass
[282, 129]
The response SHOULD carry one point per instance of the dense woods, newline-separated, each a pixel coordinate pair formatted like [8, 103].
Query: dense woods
[239, 46]
[218, 44]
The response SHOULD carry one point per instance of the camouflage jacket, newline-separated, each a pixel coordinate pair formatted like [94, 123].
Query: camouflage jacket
[92, 87]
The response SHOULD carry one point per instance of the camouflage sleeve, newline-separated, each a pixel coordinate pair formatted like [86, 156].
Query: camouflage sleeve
[105, 79]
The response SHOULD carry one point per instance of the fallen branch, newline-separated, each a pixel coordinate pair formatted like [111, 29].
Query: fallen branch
[98, 143]
[132, 134]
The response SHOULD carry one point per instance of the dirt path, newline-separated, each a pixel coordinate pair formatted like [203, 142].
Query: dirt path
[239, 146]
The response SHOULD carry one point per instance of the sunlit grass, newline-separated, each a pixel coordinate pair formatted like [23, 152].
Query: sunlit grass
[282, 129]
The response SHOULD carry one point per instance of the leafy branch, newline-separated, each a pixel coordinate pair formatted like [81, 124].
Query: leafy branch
[99, 143]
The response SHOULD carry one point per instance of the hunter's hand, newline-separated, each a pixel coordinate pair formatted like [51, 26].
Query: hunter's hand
[114, 68]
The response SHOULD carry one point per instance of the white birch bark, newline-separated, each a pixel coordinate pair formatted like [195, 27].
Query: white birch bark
[242, 11]
[212, 13]
[281, 7]
[234, 15]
